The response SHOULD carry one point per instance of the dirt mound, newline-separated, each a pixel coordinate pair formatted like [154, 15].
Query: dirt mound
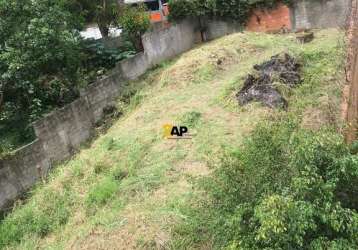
[282, 68]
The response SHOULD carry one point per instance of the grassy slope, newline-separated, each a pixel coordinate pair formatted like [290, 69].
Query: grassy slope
[126, 190]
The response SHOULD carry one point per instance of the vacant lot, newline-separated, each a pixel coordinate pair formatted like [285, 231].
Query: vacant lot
[129, 188]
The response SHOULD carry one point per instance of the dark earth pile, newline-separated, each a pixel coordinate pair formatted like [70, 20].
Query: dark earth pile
[261, 87]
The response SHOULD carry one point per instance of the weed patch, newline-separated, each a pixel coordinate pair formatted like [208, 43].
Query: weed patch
[284, 188]
[190, 119]
[36, 220]
[101, 193]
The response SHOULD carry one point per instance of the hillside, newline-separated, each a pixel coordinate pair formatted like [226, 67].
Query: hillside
[128, 188]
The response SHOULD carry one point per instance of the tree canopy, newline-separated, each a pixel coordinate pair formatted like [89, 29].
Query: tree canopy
[44, 61]
[39, 55]
[103, 12]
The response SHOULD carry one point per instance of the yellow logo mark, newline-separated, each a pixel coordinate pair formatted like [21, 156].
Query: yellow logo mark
[167, 130]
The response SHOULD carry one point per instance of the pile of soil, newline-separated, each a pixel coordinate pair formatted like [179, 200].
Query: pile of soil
[261, 87]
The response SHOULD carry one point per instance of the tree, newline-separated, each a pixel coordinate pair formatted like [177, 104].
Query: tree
[103, 12]
[105, 15]
[39, 57]
[135, 22]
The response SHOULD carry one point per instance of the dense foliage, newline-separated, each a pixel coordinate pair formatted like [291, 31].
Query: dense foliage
[39, 58]
[135, 22]
[99, 58]
[43, 63]
[102, 12]
[287, 188]
[237, 10]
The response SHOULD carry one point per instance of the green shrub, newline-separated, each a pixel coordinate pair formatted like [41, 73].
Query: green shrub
[258, 169]
[98, 59]
[286, 188]
[39, 56]
[354, 147]
[98, 56]
[44, 61]
[135, 22]
[180, 9]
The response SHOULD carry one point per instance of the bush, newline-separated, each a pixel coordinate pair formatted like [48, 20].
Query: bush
[285, 189]
[98, 56]
[98, 59]
[40, 57]
[43, 63]
[39, 54]
[135, 22]
[180, 9]
[237, 10]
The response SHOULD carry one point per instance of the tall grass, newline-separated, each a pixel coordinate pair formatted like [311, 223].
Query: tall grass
[285, 188]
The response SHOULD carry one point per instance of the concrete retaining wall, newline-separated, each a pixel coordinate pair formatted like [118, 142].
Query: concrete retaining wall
[215, 28]
[59, 135]
[304, 14]
[168, 43]
[63, 131]
[319, 13]
[21, 171]
[134, 67]
[160, 45]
